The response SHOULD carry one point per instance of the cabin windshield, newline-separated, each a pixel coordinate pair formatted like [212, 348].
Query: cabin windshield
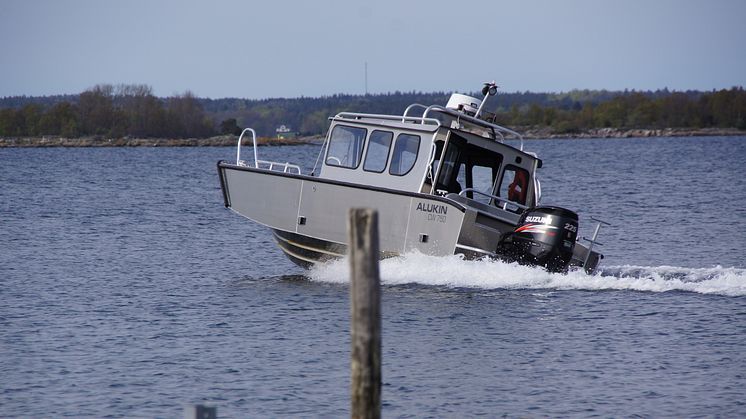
[405, 154]
[378, 151]
[346, 146]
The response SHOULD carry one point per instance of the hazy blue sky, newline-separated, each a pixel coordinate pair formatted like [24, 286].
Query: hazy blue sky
[282, 48]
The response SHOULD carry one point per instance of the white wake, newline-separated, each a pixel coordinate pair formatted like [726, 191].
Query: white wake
[454, 271]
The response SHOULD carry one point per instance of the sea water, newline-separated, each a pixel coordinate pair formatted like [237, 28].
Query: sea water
[129, 291]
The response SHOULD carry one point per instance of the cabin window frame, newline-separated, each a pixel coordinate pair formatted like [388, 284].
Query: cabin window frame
[388, 150]
[416, 153]
[359, 154]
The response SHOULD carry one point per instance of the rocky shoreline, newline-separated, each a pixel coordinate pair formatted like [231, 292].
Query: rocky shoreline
[229, 140]
[546, 133]
[219, 141]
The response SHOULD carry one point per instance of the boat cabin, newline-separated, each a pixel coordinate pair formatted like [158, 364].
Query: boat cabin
[445, 151]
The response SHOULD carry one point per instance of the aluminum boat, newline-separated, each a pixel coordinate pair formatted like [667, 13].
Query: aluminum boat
[445, 180]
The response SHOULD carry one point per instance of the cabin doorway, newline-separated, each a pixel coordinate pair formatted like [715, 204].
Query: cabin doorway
[466, 169]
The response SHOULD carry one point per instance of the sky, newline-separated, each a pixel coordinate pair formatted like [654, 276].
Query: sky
[281, 48]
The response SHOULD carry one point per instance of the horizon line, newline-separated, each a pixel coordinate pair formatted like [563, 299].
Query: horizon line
[626, 90]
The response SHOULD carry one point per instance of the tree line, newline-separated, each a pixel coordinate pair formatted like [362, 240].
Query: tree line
[132, 110]
[110, 111]
[717, 109]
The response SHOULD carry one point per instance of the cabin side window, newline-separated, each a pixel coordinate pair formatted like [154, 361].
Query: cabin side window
[405, 154]
[346, 146]
[514, 185]
[377, 155]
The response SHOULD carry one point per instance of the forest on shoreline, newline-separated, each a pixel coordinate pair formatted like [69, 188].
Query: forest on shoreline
[132, 111]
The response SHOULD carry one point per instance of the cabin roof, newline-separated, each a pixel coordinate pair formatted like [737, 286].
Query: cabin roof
[434, 117]
[390, 121]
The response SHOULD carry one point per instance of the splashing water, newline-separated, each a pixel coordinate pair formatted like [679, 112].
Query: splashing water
[455, 272]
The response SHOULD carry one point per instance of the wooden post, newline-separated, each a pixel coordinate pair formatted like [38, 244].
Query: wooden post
[365, 311]
[200, 412]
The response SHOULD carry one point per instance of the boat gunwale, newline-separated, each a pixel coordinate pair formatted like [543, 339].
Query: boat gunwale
[222, 164]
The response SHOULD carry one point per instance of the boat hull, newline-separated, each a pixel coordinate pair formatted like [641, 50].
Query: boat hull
[308, 217]
[306, 251]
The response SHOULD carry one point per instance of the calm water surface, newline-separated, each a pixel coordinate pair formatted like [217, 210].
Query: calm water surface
[129, 291]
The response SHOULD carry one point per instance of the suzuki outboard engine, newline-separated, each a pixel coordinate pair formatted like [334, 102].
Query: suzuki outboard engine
[545, 236]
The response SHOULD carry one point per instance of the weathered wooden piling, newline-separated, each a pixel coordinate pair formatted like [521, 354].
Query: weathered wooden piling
[365, 311]
[200, 412]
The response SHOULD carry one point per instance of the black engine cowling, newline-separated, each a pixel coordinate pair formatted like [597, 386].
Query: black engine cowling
[545, 236]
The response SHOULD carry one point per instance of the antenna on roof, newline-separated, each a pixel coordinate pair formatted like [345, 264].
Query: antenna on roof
[366, 78]
[489, 89]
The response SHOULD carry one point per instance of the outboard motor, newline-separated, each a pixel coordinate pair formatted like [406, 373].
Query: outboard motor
[545, 236]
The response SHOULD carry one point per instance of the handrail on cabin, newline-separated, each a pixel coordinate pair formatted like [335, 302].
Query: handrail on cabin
[414, 105]
[499, 129]
[354, 115]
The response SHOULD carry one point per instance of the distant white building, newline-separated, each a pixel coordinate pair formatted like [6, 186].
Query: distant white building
[284, 132]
